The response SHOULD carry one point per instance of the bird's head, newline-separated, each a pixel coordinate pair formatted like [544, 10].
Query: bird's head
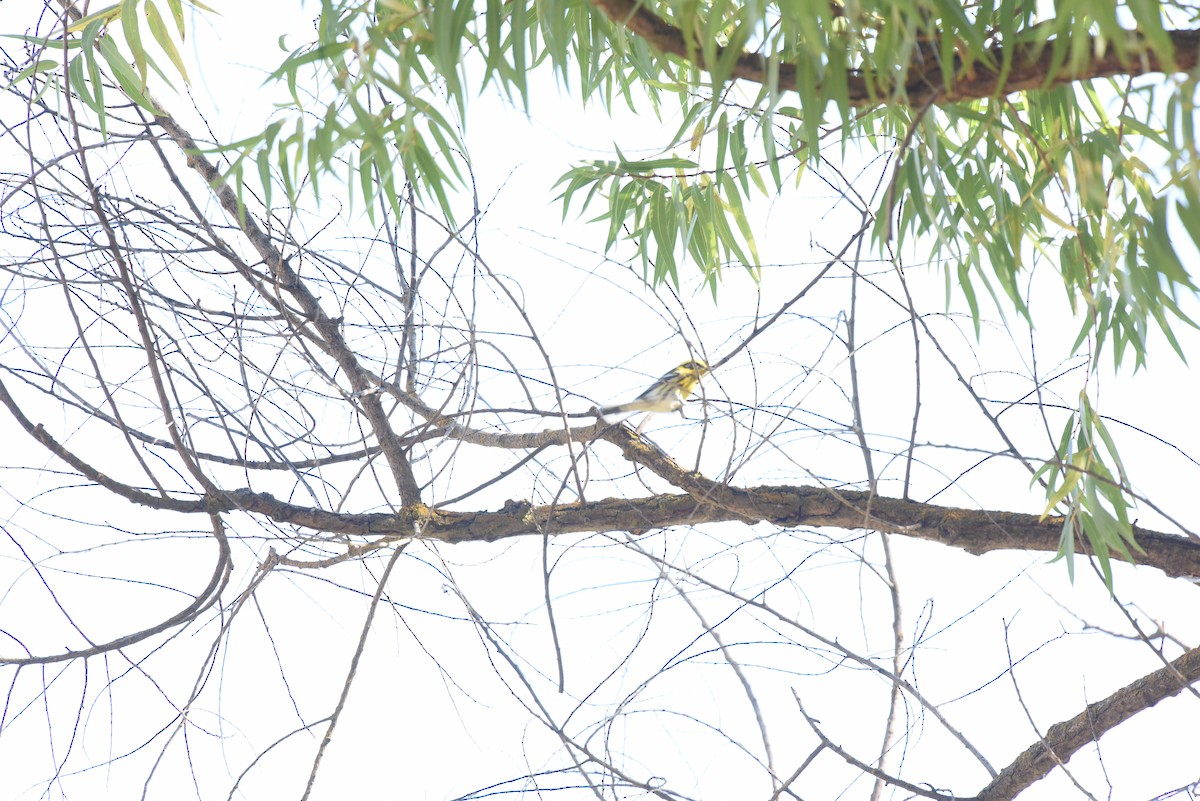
[689, 374]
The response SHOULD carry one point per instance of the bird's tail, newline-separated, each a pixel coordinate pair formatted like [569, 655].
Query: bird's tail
[617, 414]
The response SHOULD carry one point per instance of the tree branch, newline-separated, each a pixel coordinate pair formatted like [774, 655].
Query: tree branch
[1033, 66]
[706, 501]
[975, 531]
[1067, 737]
[200, 602]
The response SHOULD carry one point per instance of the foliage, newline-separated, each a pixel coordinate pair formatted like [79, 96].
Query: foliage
[983, 180]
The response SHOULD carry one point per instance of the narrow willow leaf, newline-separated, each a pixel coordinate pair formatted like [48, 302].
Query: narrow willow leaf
[125, 76]
[1066, 546]
[1070, 483]
[98, 18]
[176, 7]
[158, 29]
[264, 175]
[133, 38]
[1149, 18]
[325, 52]
[79, 83]
[39, 66]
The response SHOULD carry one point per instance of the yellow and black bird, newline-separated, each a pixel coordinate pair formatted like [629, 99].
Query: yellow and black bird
[667, 394]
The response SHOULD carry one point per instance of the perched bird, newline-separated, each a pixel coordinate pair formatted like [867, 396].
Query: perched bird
[667, 394]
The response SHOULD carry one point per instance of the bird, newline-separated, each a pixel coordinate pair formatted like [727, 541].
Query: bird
[667, 394]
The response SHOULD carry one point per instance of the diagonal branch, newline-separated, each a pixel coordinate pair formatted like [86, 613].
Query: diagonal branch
[328, 329]
[286, 278]
[1065, 738]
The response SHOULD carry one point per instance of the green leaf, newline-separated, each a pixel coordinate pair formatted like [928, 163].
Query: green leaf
[1072, 475]
[95, 76]
[1149, 18]
[159, 30]
[133, 38]
[97, 18]
[79, 84]
[264, 175]
[126, 78]
[176, 7]
[293, 63]
[39, 66]
[1066, 546]
[649, 166]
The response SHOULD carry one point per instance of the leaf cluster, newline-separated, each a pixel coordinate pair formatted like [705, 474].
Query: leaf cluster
[111, 37]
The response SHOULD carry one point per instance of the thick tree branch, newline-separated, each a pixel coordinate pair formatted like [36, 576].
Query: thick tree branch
[1032, 67]
[975, 531]
[705, 501]
[1065, 738]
